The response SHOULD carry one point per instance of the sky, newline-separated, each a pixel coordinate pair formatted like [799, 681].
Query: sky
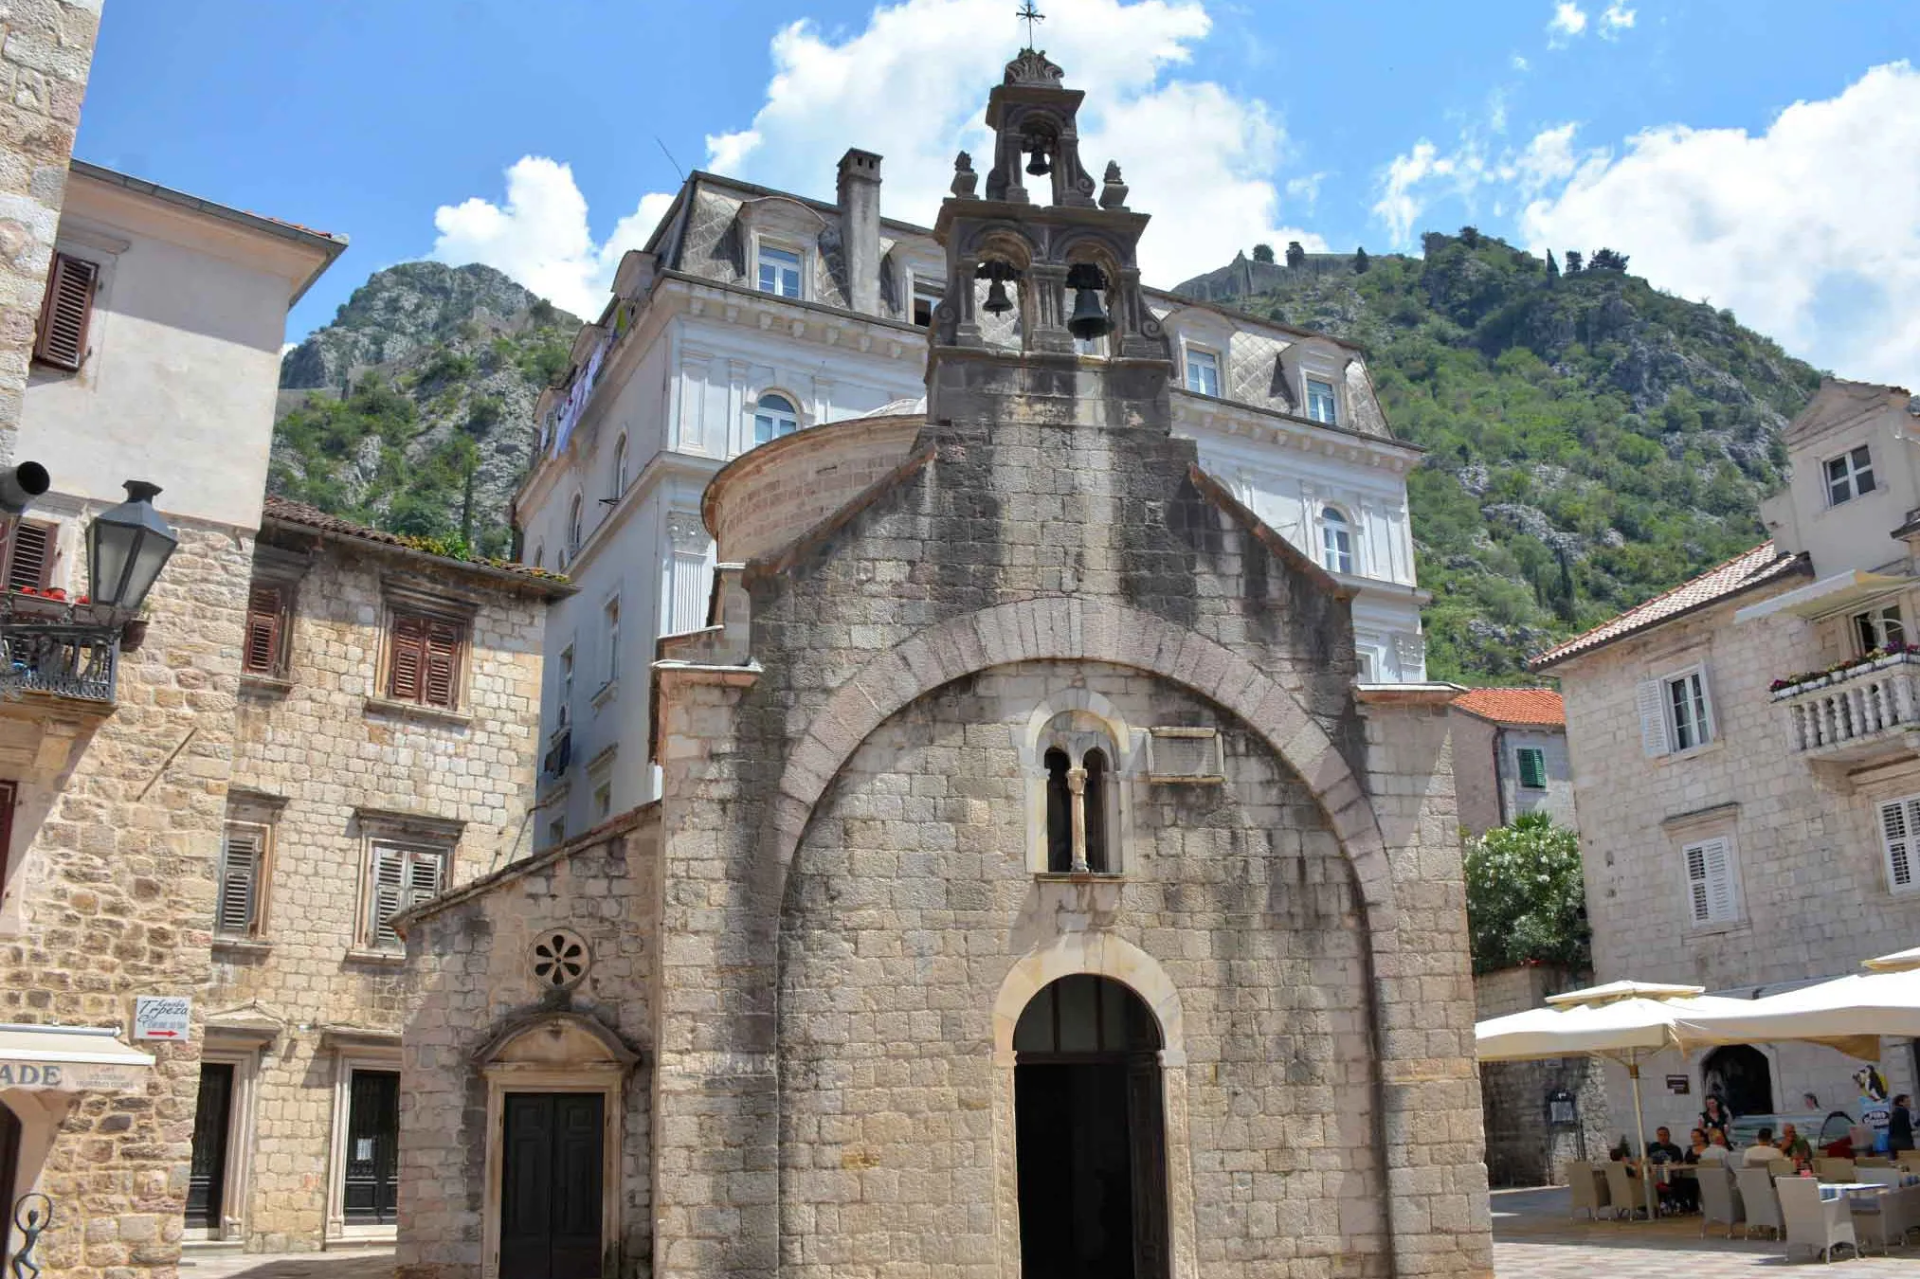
[1763, 156]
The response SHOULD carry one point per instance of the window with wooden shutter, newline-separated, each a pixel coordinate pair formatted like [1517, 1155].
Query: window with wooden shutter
[243, 858]
[1533, 768]
[30, 556]
[1653, 719]
[1899, 827]
[266, 631]
[66, 312]
[442, 683]
[1710, 895]
[403, 877]
[424, 659]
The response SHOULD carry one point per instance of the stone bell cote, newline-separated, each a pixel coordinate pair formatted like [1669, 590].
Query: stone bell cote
[1053, 278]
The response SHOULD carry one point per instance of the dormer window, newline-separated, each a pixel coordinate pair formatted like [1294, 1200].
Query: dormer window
[779, 271]
[1320, 402]
[1336, 541]
[773, 417]
[1203, 372]
[1849, 476]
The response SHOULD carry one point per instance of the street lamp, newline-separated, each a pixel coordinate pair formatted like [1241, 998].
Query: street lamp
[127, 547]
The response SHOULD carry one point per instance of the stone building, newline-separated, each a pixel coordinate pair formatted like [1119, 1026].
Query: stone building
[753, 314]
[1510, 757]
[1538, 1115]
[155, 359]
[383, 753]
[1031, 889]
[1744, 762]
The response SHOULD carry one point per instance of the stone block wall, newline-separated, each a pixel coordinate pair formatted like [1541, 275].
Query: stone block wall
[472, 959]
[46, 52]
[319, 752]
[1523, 1148]
[115, 899]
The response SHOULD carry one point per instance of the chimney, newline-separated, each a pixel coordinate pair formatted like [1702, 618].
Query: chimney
[860, 228]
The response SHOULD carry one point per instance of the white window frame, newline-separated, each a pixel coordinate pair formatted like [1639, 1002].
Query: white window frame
[1855, 465]
[567, 664]
[931, 288]
[576, 523]
[1899, 849]
[773, 417]
[1214, 362]
[1331, 399]
[1883, 624]
[761, 248]
[1659, 728]
[1337, 526]
[619, 468]
[610, 615]
[1702, 910]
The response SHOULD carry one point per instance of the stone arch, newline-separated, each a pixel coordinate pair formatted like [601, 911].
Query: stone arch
[1099, 955]
[1077, 699]
[1069, 628]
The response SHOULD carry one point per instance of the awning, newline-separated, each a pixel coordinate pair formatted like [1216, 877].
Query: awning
[69, 1059]
[1828, 595]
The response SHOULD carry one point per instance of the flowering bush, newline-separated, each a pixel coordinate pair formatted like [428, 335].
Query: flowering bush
[1526, 898]
[1846, 664]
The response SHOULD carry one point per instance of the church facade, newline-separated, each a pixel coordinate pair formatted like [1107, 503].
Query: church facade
[1032, 890]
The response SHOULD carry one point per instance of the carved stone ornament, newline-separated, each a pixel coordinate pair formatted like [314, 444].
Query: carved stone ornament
[965, 180]
[686, 531]
[1113, 192]
[1031, 67]
[560, 959]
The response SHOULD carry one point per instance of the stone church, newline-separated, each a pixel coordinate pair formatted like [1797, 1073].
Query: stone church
[1033, 890]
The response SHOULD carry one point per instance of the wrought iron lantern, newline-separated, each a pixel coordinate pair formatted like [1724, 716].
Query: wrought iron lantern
[127, 546]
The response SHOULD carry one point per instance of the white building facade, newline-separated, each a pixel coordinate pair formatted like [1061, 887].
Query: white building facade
[1745, 766]
[752, 314]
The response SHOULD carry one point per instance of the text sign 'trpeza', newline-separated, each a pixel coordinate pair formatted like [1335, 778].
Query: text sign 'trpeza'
[162, 1017]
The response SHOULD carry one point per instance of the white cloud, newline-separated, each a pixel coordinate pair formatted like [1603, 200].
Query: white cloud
[1520, 63]
[1416, 180]
[540, 236]
[1569, 23]
[912, 85]
[1615, 19]
[1810, 230]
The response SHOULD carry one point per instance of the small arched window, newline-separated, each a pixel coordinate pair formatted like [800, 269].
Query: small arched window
[1095, 765]
[773, 417]
[1336, 541]
[1059, 814]
[540, 555]
[619, 468]
[575, 517]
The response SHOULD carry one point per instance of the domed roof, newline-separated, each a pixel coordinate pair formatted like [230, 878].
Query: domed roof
[897, 408]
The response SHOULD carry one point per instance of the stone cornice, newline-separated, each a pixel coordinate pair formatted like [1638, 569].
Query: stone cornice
[1266, 426]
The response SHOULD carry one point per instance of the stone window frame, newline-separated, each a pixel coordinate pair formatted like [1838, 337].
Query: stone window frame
[261, 812]
[600, 1064]
[1097, 722]
[243, 1054]
[378, 1052]
[610, 623]
[1908, 842]
[751, 426]
[402, 599]
[415, 832]
[1688, 831]
[1355, 564]
[617, 471]
[1658, 729]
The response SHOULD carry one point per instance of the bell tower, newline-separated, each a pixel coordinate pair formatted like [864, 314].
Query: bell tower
[1043, 293]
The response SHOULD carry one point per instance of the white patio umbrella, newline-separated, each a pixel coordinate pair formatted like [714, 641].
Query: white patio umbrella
[1848, 1013]
[1622, 1021]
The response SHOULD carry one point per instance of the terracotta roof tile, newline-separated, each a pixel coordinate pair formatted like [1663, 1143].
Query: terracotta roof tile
[1764, 563]
[287, 511]
[1534, 707]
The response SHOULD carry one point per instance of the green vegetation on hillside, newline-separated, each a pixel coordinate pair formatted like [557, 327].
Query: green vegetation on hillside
[1591, 441]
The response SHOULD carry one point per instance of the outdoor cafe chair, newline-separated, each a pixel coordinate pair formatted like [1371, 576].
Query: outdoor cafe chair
[1628, 1198]
[1872, 1161]
[1763, 1203]
[1888, 1176]
[1833, 1169]
[1813, 1222]
[1884, 1219]
[1589, 1187]
[1719, 1198]
[1780, 1167]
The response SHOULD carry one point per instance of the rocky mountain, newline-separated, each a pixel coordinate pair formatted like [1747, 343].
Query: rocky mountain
[411, 410]
[1591, 441]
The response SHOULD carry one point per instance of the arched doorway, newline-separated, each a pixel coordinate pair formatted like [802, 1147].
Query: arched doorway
[1090, 1133]
[1741, 1077]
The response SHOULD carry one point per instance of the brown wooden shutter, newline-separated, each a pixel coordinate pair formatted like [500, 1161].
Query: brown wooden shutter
[66, 312]
[30, 562]
[442, 663]
[240, 864]
[265, 609]
[408, 667]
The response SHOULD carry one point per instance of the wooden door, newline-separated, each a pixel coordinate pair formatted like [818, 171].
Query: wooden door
[373, 1147]
[207, 1168]
[9, 1170]
[1146, 1126]
[551, 1185]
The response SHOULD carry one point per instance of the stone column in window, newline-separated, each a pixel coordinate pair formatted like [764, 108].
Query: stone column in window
[686, 573]
[1077, 788]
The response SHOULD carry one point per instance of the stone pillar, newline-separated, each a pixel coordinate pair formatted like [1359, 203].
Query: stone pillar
[46, 51]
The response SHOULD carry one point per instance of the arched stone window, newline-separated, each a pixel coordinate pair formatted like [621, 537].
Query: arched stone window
[539, 554]
[575, 522]
[1336, 541]
[773, 417]
[1082, 808]
[619, 476]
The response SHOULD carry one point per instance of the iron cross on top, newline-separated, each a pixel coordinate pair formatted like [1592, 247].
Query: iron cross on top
[1030, 15]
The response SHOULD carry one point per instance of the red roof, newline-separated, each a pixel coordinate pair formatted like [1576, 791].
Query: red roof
[1745, 571]
[286, 511]
[1534, 707]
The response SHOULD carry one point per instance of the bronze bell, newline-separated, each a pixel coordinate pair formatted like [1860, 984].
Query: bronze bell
[997, 303]
[1038, 166]
[1089, 319]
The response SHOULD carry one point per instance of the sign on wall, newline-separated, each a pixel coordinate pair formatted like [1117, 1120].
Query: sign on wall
[162, 1017]
[1679, 1084]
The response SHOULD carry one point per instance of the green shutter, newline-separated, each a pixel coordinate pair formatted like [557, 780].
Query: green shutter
[1533, 768]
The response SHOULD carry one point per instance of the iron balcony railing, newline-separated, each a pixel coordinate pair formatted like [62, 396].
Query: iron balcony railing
[66, 661]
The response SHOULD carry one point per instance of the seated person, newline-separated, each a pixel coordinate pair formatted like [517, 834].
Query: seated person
[1662, 1150]
[1793, 1146]
[1762, 1152]
[1696, 1146]
[1717, 1151]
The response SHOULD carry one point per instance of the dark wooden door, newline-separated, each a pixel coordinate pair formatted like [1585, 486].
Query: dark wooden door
[1147, 1128]
[207, 1171]
[9, 1166]
[551, 1186]
[373, 1147]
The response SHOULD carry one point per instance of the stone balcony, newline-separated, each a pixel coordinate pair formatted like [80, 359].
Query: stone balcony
[1851, 718]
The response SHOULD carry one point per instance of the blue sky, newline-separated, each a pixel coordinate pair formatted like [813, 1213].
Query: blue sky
[525, 135]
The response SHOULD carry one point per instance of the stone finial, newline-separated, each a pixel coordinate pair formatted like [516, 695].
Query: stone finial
[1113, 192]
[964, 178]
[1030, 66]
